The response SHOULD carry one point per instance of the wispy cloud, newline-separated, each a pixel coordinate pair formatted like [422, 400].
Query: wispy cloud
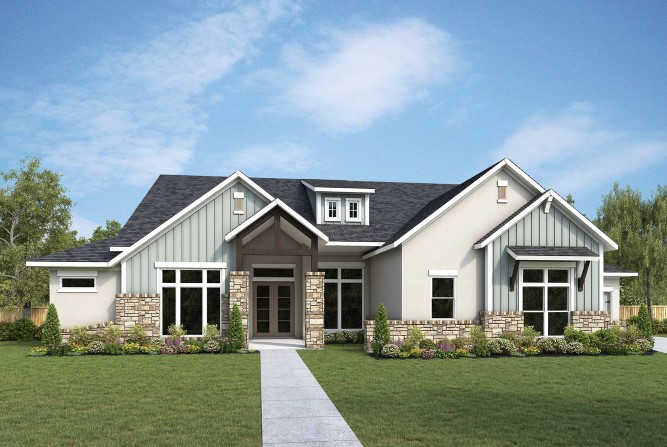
[274, 159]
[135, 113]
[572, 150]
[84, 227]
[356, 77]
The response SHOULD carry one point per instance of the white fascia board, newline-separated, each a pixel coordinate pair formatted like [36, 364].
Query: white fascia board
[512, 222]
[54, 264]
[340, 190]
[354, 244]
[237, 176]
[118, 248]
[620, 275]
[551, 258]
[81, 273]
[190, 265]
[277, 202]
[378, 251]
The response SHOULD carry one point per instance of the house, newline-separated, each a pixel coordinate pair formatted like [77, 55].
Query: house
[301, 257]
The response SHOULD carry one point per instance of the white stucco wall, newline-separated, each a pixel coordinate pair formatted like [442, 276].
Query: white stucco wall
[615, 283]
[447, 244]
[86, 308]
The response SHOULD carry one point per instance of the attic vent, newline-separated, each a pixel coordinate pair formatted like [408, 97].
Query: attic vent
[239, 206]
[502, 191]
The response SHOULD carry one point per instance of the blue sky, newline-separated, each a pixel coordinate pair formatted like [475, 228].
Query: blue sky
[112, 94]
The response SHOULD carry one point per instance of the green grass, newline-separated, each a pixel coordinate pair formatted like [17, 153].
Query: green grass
[562, 401]
[128, 400]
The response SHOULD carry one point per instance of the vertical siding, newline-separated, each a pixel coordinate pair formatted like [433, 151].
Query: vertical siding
[539, 229]
[197, 238]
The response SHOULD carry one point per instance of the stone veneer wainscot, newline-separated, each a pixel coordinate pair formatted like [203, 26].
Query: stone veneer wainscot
[314, 336]
[239, 293]
[590, 321]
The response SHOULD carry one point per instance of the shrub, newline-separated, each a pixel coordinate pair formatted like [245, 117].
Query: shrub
[403, 355]
[502, 346]
[51, 335]
[529, 336]
[159, 342]
[460, 343]
[38, 351]
[5, 330]
[381, 334]
[329, 338]
[404, 347]
[530, 350]
[604, 336]
[574, 347]
[114, 349]
[112, 334]
[480, 346]
[415, 352]
[38, 333]
[415, 335]
[659, 326]
[427, 344]
[428, 353]
[632, 320]
[445, 345]
[137, 334]
[351, 336]
[376, 346]
[95, 347]
[573, 334]
[644, 324]
[361, 337]
[236, 337]
[341, 338]
[176, 331]
[212, 346]
[131, 348]
[552, 345]
[462, 352]
[211, 332]
[194, 347]
[439, 353]
[592, 350]
[24, 329]
[58, 350]
[150, 349]
[81, 336]
[390, 350]
[511, 337]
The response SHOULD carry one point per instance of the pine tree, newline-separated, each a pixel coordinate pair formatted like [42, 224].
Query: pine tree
[236, 329]
[381, 335]
[51, 335]
[644, 323]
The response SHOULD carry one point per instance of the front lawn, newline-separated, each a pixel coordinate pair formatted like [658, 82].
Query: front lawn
[506, 401]
[128, 400]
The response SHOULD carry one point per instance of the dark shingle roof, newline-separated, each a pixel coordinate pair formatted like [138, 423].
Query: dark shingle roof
[396, 208]
[512, 216]
[608, 268]
[552, 251]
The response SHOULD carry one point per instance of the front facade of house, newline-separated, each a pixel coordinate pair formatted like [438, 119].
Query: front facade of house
[301, 257]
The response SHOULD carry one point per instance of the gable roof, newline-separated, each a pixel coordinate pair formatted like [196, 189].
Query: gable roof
[568, 209]
[612, 270]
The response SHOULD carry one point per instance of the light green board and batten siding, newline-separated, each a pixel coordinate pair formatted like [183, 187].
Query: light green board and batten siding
[198, 237]
[541, 229]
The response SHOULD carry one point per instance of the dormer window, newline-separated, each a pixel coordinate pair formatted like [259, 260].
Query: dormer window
[332, 210]
[239, 205]
[353, 210]
[502, 191]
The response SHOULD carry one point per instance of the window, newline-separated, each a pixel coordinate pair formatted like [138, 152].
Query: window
[353, 210]
[72, 281]
[332, 210]
[443, 290]
[190, 297]
[545, 297]
[343, 298]
[606, 295]
[239, 205]
[278, 272]
[502, 191]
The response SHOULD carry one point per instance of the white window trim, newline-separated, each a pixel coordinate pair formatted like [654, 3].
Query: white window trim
[239, 195]
[340, 282]
[430, 279]
[273, 278]
[62, 289]
[347, 210]
[572, 275]
[177, 285]
[503, 184]
[328, 200]
[611, 298]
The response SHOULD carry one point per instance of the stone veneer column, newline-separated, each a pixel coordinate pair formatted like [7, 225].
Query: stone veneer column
[143, 309]
[239, 293]
[590, 321]
[314, 336]
[495, 323]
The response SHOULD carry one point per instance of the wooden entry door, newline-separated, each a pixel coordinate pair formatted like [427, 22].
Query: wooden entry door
[274, 309]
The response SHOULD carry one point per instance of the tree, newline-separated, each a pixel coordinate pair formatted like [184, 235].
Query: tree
[639, 226]
[381, 335]
[569, 199]
[644, 323]
[111, 229]
[51, 335]
[236, 336]
[35, 219]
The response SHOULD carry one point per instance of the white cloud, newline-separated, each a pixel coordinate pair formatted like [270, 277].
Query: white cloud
[135, 113]
[84, 227]
[359, 76]
[572, 151]
[274, 159]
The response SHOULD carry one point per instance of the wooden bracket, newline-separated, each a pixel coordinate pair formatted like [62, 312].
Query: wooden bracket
[582, 279]
[515, 273]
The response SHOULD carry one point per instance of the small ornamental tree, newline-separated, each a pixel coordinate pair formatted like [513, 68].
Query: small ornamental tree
[644, 323]
[381, 334]
[236, 329]
[51, 335]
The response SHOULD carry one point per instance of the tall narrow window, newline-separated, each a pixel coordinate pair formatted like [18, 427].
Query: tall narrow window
[332, 210]
[353, 210]
[343, 298]
[442, 297]
[239, 205]
[502, 191]
[545, 296]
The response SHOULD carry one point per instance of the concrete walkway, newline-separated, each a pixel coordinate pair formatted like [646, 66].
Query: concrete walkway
[660, 344]
[295, 409]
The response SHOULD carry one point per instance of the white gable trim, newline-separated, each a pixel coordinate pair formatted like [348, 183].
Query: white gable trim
[620, 274]
[277, 202]
[65, 264]
[237, 176]
[569, 210]
[340, 190]
[505, 163]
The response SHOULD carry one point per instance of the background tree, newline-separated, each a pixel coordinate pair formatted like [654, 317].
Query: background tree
[35, 220]
[111, 229]
[639, 226]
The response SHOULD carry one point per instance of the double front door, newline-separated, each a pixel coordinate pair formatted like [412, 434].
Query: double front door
[274, 309]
